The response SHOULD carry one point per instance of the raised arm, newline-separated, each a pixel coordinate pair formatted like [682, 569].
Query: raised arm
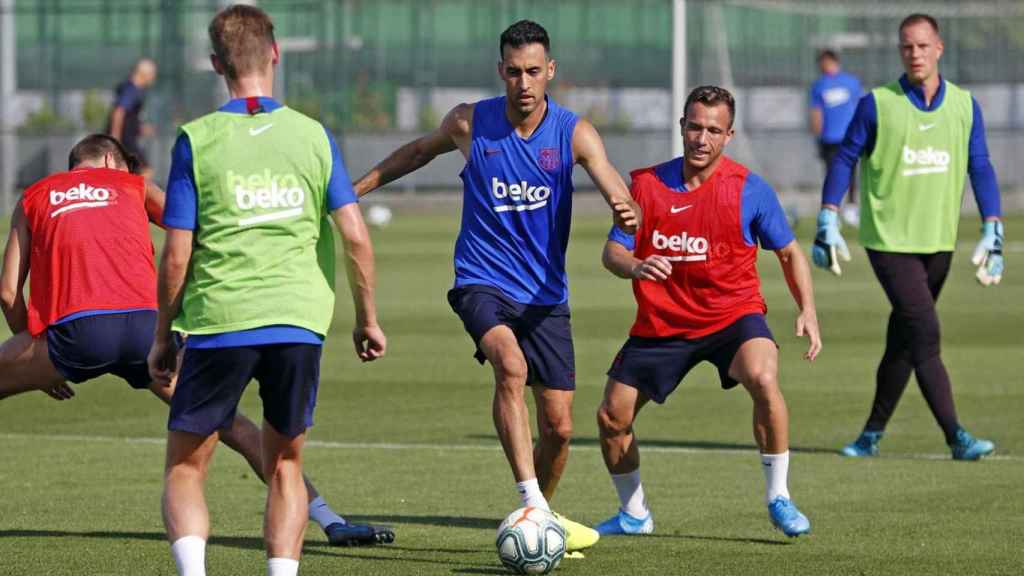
[367, 336]
[588, 151]
[15, 272]
[456, 131]
[798, 278]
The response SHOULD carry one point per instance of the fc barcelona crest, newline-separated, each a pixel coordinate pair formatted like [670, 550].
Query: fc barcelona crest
[549, 159]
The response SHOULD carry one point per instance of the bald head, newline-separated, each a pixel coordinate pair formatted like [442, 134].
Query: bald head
[144, 73]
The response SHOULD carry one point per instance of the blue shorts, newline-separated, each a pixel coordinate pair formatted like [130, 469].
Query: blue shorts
[656, 366]
[89, 347]
[212, 381]
[543, 332]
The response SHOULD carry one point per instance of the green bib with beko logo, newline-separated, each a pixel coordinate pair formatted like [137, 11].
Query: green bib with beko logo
[913, 181]
[263, 250]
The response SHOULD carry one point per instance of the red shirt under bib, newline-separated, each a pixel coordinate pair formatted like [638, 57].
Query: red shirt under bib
[714, 279]
[91, 248]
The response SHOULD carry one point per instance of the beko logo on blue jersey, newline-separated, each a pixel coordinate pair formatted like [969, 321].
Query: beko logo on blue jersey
[522, 195]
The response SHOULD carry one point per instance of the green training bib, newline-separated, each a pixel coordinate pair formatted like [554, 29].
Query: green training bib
[913, 181]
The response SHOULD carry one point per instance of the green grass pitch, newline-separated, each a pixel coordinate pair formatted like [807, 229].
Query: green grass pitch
[408, 441]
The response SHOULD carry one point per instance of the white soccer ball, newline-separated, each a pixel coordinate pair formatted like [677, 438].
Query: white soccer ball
[531, 541]
[378, 215]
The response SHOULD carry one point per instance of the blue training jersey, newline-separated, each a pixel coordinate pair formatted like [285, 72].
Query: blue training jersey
[517, 205]
[836, 95]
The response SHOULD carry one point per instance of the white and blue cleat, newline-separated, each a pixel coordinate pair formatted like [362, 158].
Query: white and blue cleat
[787, 518]
[622, 523]
[865, 446]
[967, 447]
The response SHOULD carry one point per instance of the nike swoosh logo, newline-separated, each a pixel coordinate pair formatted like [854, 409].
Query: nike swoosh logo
[260, 130]
[925, 127]
[675, 210]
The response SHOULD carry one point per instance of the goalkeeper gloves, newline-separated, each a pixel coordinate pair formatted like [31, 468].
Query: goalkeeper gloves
[988, 256]
[829, 243]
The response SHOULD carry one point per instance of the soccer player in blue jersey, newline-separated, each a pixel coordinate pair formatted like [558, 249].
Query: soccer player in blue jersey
[510, 283]
[919, 136]
[833, 99]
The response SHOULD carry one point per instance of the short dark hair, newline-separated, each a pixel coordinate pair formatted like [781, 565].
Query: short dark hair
[828, 54]
[918, 18]
[96, 146]
[522, 33]
[712, 96]
[242, 37]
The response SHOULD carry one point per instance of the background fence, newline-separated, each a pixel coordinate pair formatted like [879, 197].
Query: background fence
[377, 72]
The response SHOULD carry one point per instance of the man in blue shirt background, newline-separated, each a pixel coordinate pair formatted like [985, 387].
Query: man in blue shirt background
[833, 100]
[125, 121]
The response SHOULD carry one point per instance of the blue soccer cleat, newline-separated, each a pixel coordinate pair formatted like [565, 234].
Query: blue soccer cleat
[967, 447]
[864, 446]
[623, 523]
[787, 518]
[345, 534]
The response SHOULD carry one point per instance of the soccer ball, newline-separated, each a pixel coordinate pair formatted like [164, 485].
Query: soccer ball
[378, 215]
[531, 541]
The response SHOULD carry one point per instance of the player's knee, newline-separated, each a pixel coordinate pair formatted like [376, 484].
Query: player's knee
[187, 469]
[611, 424]
[558, 430]
[763, 384]
[925, 343]
[512, 372]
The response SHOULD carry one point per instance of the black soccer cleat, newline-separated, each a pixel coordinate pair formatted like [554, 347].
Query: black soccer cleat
[343, 534]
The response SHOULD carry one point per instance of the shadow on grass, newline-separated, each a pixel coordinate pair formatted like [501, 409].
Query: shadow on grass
[681, 444]
[387, 553]
[762, 541]
[441, 521]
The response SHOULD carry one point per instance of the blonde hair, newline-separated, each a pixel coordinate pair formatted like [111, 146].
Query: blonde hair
[242, 37]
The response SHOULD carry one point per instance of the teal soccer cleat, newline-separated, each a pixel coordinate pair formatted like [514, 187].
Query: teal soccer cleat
[786, 517]
[967, 447]
[623, 523]
[864, 446]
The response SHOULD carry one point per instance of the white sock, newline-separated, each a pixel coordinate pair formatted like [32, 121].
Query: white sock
[776, 475]
[322, 514]
[190, 555]
[529, 492]
[282, 567]
[631, 494]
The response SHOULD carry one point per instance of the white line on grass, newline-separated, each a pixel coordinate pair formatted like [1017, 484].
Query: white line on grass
[472, 447]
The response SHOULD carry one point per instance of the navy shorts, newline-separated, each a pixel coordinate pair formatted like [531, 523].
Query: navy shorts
[543, 332]
[212, 381]
[656, 366]
[89, 347]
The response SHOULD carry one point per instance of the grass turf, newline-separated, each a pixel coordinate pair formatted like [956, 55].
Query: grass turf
[408, 441]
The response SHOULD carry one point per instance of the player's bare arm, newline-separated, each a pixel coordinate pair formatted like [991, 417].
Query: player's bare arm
[798, 278]
[15, 272]
[456, 131]
[163, 357]
[816, 122]
[367, 336]
[117, 122]
[155, 199]
[620, 261]
[588, 151]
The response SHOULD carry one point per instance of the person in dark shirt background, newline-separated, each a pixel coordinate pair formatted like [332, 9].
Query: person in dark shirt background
[125, 122]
